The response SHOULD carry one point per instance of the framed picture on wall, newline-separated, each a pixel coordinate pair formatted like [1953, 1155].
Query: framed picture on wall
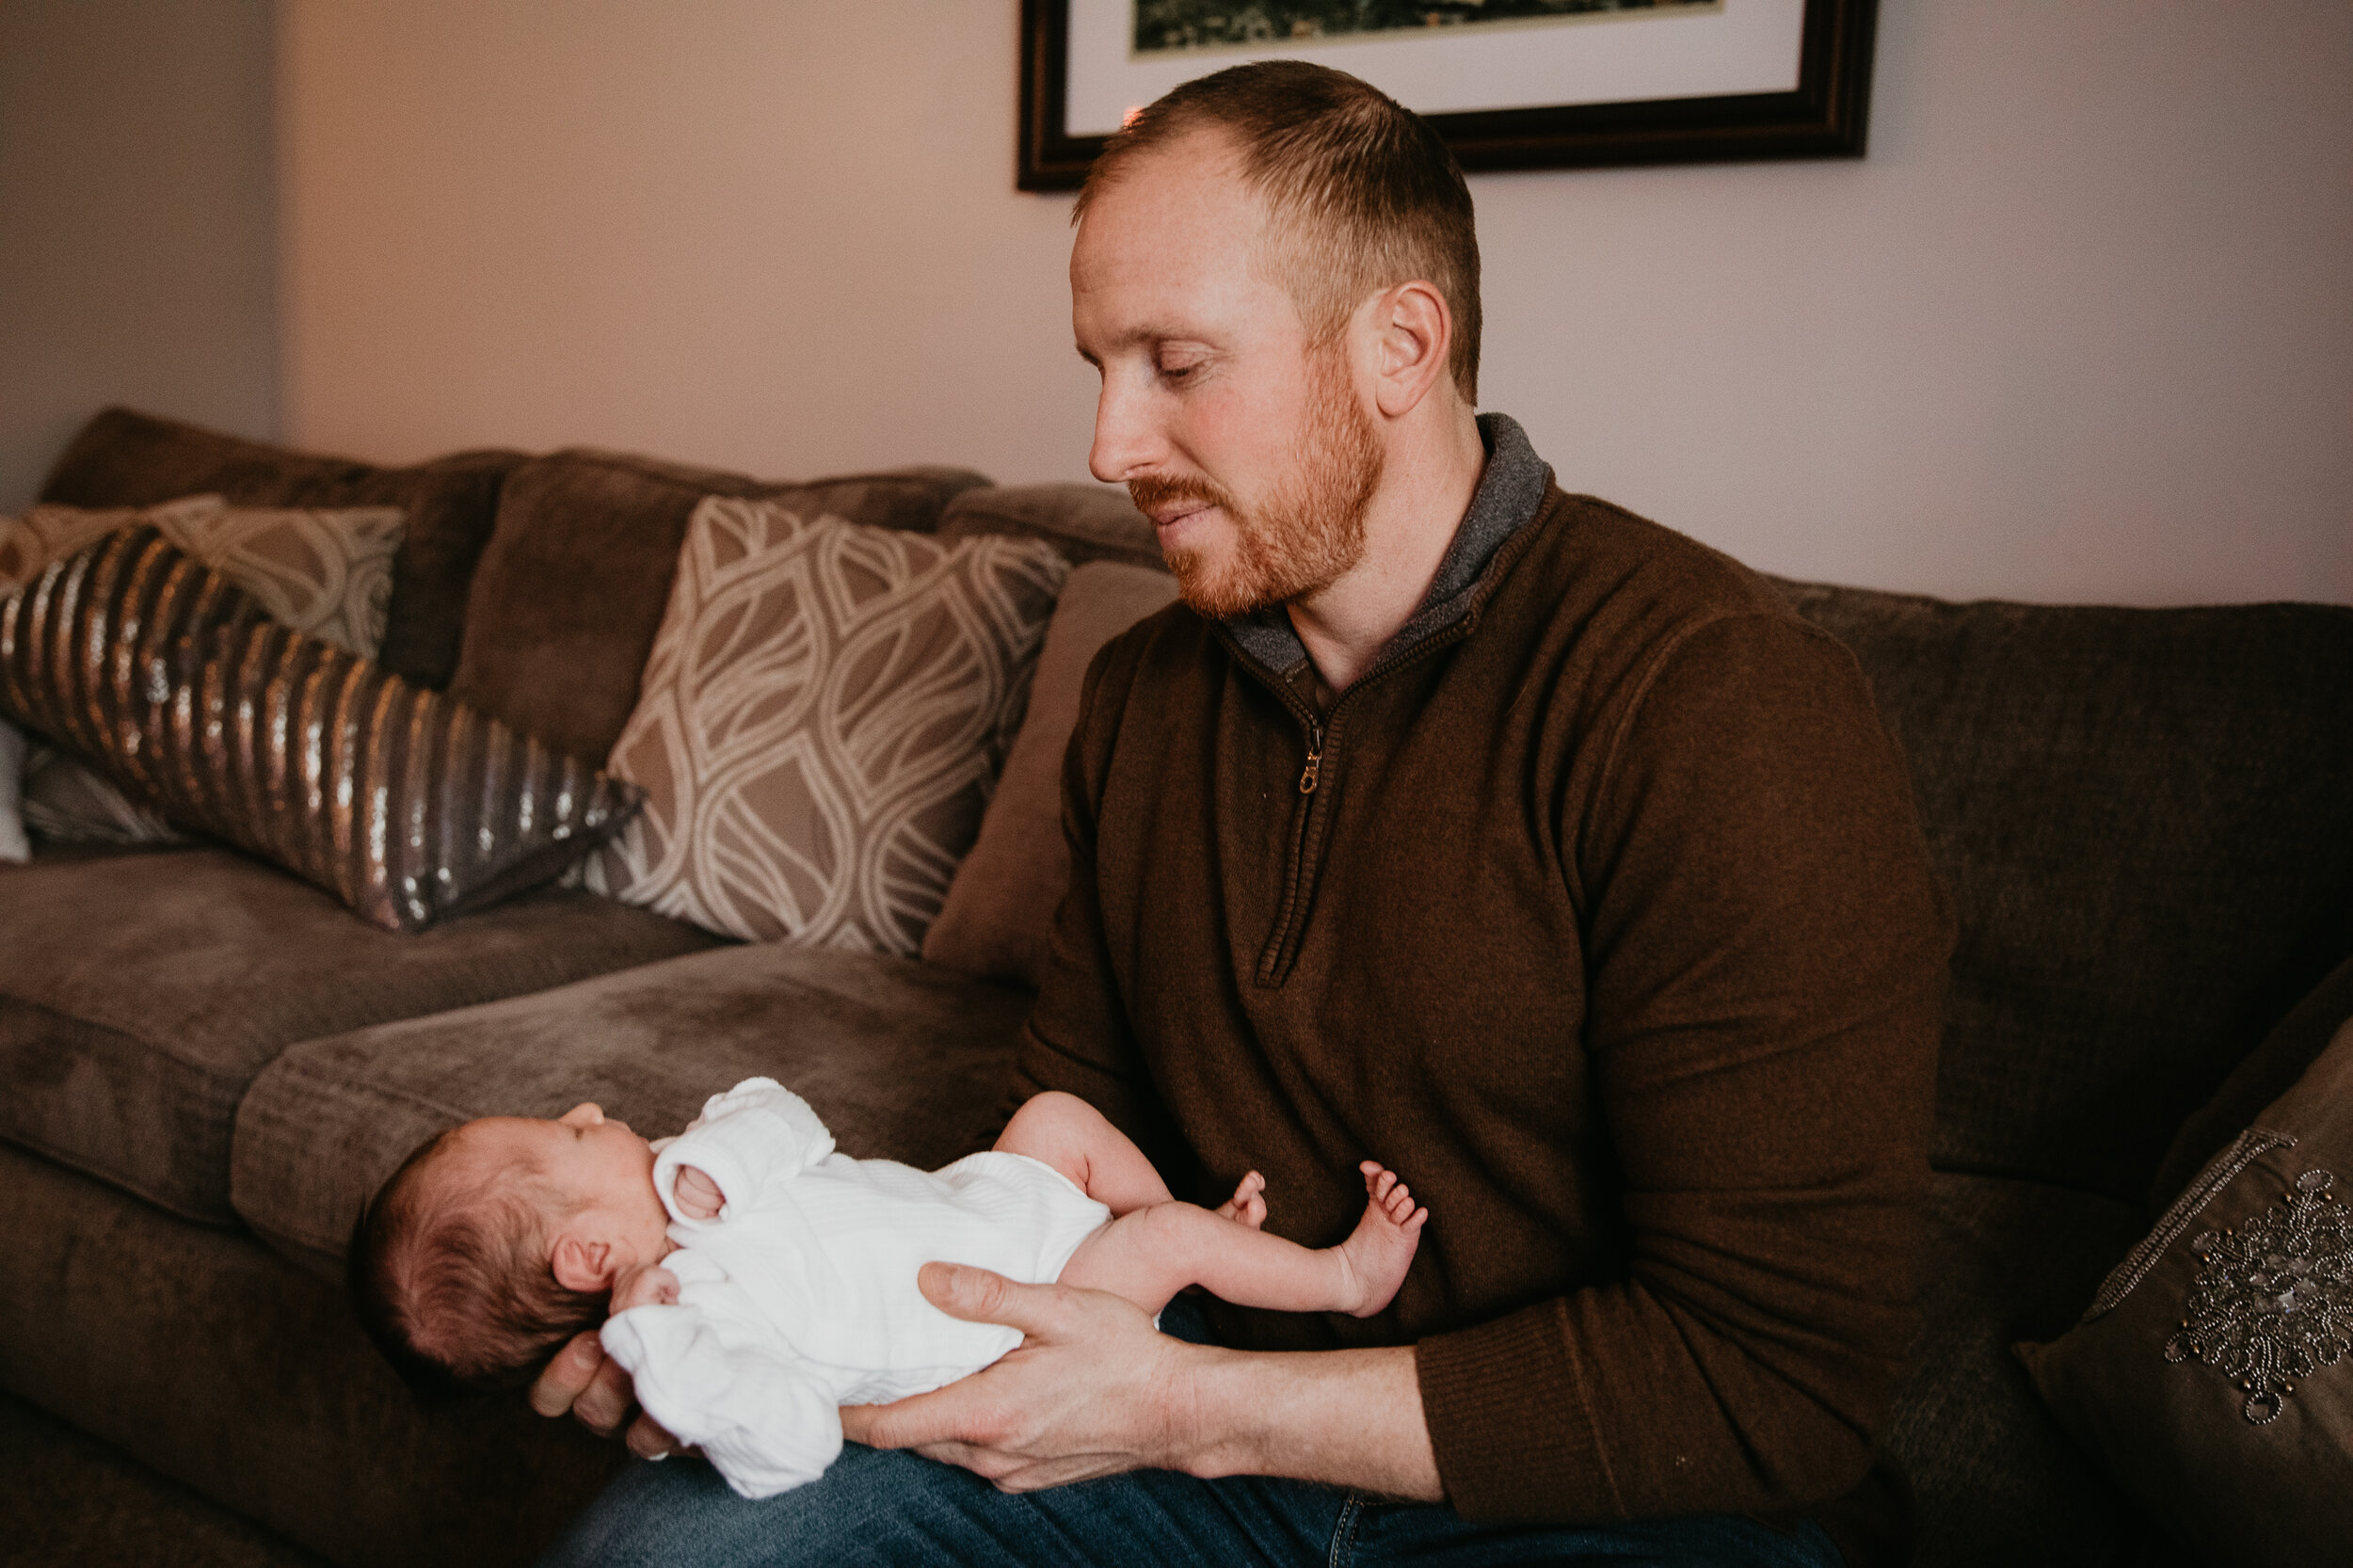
[1510, 84]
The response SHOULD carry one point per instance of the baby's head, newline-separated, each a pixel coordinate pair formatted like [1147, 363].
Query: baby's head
[498, 1240]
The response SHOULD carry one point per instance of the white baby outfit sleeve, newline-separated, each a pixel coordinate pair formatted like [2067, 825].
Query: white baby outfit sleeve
[766, 1421]
[756, 1133]
[764, 1424]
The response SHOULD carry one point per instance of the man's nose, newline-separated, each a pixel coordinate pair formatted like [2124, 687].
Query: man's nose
[1126, 442]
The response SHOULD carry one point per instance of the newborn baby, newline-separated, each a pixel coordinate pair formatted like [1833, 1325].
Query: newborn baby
[757, 1280]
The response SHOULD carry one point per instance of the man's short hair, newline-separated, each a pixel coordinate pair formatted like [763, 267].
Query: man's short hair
[1361, 192]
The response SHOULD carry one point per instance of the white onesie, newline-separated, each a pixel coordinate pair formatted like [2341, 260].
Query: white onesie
[801, 1295]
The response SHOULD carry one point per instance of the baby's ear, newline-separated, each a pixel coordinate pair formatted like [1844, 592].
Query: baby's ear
[582, 1264]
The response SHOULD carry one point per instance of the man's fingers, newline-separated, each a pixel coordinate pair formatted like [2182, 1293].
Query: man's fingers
[607, 1402]
[649, 1439]
[978, 1296]
[944, 1415]
[569, 1375]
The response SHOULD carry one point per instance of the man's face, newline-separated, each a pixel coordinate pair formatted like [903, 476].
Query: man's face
[1244, 443]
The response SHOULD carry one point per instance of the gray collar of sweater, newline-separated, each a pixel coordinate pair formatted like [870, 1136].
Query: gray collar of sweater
[1510, 492]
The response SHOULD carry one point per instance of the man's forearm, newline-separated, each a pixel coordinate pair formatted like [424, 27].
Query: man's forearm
[1343, 1417]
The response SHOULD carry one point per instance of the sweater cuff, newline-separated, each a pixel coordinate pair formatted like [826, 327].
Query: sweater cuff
[1511, 1423]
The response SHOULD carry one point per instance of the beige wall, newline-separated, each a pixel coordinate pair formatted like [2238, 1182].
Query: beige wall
[136, 237]
[2080, 328]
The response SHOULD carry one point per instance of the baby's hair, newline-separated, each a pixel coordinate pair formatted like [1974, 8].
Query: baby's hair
[453, 1281]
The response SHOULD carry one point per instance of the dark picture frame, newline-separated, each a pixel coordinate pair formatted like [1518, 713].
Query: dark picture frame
[1827, 116]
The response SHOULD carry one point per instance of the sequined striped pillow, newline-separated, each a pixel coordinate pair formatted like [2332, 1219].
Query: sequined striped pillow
[403, 804]
[324, 571]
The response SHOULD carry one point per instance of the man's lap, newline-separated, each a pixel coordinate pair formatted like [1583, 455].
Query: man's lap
[900, 1510]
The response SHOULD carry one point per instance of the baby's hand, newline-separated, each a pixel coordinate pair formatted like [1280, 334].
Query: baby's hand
[698, 1196]
[651, 1285]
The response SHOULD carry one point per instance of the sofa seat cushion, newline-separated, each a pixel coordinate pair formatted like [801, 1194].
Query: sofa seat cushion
[902, 1061]
[1997, 1479]
[140, 993]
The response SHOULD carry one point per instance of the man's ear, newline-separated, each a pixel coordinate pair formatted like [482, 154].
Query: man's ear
[582, 1263]
[1412, 336]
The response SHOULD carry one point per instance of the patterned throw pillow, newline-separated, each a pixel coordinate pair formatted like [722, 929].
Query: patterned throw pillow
[326, 572]
[2214, 1370]
[821, 722]
[405, 804]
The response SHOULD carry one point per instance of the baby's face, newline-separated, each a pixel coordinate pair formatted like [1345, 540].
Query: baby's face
[594, 1164]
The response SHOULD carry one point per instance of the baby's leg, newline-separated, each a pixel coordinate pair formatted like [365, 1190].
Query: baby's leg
[1067, 1133]
[1148, 1255]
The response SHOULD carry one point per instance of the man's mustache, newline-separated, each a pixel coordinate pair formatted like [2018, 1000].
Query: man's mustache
[1153, 491]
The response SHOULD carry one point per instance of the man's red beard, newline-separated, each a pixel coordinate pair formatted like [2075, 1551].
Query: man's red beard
[1309, 531]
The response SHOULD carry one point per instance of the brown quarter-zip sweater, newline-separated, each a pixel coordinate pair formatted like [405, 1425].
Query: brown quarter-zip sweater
[1602, 914]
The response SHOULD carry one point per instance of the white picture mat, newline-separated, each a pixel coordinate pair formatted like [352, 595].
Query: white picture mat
[1747, 46]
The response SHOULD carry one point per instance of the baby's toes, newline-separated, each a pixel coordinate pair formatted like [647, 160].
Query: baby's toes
[1378, 1182]
[1400, 1203]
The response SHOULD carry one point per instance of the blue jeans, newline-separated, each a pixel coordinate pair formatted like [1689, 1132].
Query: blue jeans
[877, 1506]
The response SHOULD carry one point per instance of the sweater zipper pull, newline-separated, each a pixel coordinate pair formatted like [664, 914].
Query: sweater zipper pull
[1315, 760]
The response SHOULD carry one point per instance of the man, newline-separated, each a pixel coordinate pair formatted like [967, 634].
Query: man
[1452, 817]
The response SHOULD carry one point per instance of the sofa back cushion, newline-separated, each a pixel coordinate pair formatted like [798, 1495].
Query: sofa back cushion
[2144, 818]
[571, 588]
[124, 458]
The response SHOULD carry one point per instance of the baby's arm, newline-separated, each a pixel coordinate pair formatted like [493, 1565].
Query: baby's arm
[756, 1132]
[648, 1285]
[766, 1424]
[698, 1196]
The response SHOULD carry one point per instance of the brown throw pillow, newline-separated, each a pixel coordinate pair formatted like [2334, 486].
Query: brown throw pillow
[1001, 908]
[821, 722]
[403, 804]
[2214, 1371]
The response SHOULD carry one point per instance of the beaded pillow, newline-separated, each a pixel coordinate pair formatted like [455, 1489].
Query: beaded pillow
[327, 572]
[2214, 1371]
[405, 804]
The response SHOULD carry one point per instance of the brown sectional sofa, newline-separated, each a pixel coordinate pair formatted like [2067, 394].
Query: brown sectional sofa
[2144, 818]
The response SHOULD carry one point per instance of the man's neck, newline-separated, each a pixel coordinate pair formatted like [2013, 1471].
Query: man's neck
[1426, 485]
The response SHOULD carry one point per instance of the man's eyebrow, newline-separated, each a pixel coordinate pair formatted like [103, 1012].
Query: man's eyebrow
[1152, 334]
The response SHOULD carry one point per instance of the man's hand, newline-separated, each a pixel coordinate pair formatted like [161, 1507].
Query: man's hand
[698, 1196]
[598, 1394]
[1093, 1390]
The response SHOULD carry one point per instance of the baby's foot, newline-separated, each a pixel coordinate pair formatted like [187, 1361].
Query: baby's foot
[1247, 1207]
[1376, 1255]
